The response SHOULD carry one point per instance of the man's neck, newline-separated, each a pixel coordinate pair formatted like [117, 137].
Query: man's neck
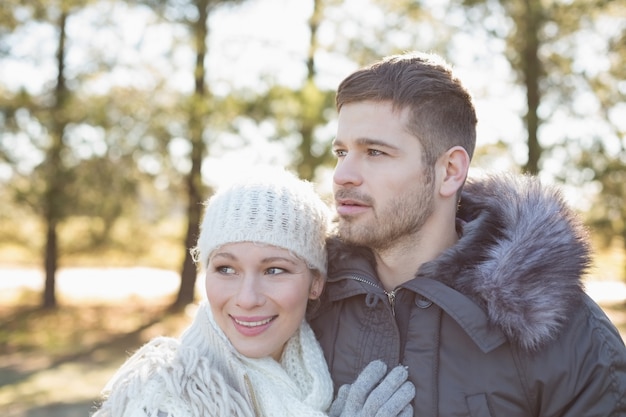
[398, 264]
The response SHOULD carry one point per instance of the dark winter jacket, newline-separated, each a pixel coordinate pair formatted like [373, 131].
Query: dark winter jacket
[498, 325]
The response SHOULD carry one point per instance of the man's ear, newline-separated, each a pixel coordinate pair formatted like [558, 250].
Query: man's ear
[455, 165]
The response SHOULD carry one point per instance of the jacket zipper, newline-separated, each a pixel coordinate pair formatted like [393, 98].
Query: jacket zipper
[391, 295]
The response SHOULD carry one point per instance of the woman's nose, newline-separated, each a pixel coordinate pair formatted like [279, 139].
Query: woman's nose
[250, 293]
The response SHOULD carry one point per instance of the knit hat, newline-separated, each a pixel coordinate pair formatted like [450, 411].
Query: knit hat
[271, 206]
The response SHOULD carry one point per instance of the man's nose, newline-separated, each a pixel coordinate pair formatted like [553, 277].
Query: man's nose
[347, 171]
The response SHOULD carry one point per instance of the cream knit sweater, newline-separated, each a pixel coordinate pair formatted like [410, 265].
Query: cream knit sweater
[202, 375]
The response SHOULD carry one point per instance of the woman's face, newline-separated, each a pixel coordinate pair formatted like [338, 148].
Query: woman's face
[258, 295]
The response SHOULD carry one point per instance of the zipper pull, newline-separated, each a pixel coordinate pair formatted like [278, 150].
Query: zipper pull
[391, 295]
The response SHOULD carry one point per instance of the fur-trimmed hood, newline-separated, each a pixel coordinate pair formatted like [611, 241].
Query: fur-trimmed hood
[521, 257]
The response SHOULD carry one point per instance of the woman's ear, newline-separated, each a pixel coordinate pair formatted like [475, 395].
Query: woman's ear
[455, 163]
[317, 285]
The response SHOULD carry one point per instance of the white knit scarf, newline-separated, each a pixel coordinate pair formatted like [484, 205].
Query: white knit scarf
[203, 375]
[298, 385]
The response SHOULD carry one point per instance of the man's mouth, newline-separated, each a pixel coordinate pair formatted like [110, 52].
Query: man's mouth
[342, 202]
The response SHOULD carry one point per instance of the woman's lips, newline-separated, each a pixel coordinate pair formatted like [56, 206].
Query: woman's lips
[252, 326]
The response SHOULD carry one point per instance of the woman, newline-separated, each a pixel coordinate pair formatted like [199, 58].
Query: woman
[249, 351]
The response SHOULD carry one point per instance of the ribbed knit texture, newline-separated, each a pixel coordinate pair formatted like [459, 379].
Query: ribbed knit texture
[272, 207]
[202, 375]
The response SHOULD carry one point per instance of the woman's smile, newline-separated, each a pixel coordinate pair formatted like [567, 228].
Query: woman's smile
[252, 326]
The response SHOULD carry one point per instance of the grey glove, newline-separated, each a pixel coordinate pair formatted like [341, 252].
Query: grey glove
[375, 395]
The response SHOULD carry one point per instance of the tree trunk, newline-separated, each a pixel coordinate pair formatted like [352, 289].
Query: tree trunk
[189, 272]
[50, 256]
[194, 179]
[531, 65]
[308, 161]
[53, 197]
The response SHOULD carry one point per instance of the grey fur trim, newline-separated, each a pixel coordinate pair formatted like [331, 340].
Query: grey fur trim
[529, 277]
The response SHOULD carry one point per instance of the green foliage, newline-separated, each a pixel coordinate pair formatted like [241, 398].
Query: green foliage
[608, 217]
[131, 241]
[544, 48]
[297, 113]
[97, 160]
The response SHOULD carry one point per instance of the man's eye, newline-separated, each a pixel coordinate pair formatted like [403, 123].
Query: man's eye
[374, 152]
[339, 153]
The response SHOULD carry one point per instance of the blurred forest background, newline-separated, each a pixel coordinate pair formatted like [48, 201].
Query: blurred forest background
[119, 117]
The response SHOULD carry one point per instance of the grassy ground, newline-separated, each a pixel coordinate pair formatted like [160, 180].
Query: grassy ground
[54, 363]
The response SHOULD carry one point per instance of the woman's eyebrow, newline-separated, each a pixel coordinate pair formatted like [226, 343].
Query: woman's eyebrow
[224, 255]
[271, 259]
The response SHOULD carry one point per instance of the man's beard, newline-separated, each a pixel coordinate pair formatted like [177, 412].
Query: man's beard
[403, 216]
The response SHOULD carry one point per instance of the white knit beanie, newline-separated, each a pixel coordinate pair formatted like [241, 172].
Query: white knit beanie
[270, 206]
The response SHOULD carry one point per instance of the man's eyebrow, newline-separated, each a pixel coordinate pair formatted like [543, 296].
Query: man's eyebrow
[366, 142]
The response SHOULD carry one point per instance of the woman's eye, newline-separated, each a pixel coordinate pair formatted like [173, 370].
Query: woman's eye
[275, 270]
[226, 270]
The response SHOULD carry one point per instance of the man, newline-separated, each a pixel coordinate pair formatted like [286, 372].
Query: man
[475, 287]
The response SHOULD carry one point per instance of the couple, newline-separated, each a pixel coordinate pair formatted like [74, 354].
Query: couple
[470, 294]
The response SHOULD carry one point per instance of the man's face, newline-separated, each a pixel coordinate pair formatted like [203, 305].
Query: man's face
[382, 190]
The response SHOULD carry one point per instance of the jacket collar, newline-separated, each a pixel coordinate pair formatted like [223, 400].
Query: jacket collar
[356, 275]
[517, 267]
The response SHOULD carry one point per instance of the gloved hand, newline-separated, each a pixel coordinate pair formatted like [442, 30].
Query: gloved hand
[375, 395]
